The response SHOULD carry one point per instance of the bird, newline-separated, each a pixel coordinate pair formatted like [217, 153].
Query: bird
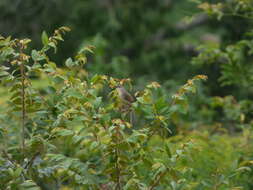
[125, 96]
[127, 99]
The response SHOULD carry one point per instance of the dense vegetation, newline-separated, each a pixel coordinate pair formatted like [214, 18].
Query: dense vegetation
[64, 126]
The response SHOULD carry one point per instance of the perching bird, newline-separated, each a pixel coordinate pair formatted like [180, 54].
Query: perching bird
[125, 96]
[127, 99]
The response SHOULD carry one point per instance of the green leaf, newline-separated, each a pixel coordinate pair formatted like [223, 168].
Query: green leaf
[44, 38]
[168, 150]
[74, 93]
[3, 73]
[64, 132]
[18, 171]
[36, 56]
[244, 168]
[95, 78]
[69, 62]
[53, 45]
[97, 102]
[29, 185]
[58, 79]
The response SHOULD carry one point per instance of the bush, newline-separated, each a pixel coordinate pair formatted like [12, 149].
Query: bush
[76, 132]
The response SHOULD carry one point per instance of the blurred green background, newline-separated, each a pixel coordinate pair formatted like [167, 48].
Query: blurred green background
[145, 40]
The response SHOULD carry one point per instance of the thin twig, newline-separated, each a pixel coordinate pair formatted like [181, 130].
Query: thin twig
[22, 72]
[23, 105]
[30, 162]
[118, 186]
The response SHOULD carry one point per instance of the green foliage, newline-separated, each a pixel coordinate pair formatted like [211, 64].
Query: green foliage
[74, 135]
[75, 132]
[231, 106]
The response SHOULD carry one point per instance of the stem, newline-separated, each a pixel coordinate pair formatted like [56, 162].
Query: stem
[118, 186]
[31, 160]
[22, 70]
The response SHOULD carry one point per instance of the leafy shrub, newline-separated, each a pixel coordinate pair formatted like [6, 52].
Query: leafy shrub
[75, 133]
[71, 132]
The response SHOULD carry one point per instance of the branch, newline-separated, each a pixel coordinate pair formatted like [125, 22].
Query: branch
[30, 162]
[118, 185]
[22, 72]
[23, 104]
